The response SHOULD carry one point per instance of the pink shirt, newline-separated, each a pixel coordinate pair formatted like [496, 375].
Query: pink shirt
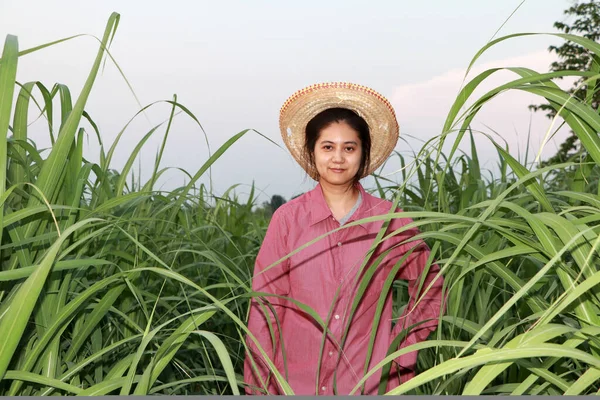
[313, 276]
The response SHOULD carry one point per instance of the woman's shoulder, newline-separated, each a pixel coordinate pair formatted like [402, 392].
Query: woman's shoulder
[378, 206]
[292, 208]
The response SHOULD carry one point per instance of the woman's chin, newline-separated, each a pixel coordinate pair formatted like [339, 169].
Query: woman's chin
[337, 179]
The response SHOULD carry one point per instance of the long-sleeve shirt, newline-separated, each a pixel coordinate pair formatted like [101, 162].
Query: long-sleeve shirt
[325, 276]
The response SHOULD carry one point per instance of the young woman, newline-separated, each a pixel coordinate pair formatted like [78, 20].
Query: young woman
[339, 133]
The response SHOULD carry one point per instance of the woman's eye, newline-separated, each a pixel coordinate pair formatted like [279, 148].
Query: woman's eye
[327, 147]
[349, 149]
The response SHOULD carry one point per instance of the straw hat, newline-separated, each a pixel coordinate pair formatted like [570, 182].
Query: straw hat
[306, 103]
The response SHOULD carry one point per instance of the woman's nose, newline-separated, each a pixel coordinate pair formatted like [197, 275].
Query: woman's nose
[338, 156]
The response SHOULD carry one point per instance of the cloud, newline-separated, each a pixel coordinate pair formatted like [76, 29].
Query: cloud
[422, 107]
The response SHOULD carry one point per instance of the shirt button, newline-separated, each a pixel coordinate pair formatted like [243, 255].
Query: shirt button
[337, 316]
[330, 353]
[339, 244]
[323, 388]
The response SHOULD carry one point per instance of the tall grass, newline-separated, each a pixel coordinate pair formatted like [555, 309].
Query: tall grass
[114, 288]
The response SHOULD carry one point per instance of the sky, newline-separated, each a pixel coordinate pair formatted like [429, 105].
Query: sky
[234, 63]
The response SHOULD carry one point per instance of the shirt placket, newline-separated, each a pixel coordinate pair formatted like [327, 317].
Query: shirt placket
[337, 321]
[330, 356]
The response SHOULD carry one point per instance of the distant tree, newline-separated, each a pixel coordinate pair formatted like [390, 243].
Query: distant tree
[276, 202]
[575, 57]
[267, 208]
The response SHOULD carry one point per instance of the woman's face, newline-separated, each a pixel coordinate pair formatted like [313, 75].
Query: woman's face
[338, 152]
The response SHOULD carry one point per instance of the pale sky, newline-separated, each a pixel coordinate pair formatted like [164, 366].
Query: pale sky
[233, 63]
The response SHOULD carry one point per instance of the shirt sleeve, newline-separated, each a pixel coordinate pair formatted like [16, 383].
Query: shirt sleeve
[274, 280]
[429, 306]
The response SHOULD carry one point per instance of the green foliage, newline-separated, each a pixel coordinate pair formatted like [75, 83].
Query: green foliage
[575, 57]
[107, 288]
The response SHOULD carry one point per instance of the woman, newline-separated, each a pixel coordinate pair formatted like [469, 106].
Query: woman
[339, 133]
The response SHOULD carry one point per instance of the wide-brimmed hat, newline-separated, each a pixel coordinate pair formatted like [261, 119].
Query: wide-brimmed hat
[306, 103]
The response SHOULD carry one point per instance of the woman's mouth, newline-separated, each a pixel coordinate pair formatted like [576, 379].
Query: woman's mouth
[337, 170]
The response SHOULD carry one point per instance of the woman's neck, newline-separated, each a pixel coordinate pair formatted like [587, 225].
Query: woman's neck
[340, 199]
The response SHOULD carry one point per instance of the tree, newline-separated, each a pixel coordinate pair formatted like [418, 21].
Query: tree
[267, 208]
[276, 202]
[576, 58]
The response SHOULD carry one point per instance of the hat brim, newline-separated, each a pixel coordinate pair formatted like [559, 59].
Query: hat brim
[306, 103]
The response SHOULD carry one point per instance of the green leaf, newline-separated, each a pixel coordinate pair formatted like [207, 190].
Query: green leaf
[16, 318]
[8, 74]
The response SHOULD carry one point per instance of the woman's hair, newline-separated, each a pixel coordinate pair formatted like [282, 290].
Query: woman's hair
[327, 117]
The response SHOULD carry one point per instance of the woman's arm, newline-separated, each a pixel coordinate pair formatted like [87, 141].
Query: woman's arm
[274, 280]
[428, 301]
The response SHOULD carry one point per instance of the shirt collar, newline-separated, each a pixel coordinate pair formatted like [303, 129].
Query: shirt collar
[319, 210]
